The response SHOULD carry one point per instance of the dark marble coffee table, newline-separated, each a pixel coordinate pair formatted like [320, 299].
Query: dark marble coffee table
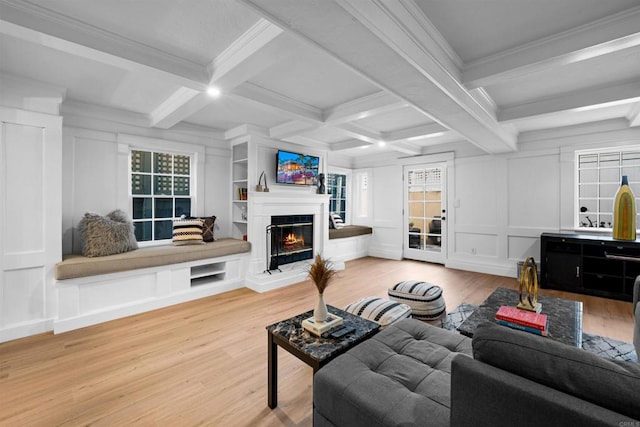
[565, 316]
[314, 351]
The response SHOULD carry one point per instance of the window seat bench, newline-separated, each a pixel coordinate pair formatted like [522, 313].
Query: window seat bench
[347, 243]
[98, 289]
[349, 231]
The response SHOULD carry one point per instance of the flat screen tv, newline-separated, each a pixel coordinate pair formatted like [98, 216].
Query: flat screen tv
[295, 168]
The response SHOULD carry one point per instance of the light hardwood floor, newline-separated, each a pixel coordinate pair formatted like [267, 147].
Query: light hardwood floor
[205, 362]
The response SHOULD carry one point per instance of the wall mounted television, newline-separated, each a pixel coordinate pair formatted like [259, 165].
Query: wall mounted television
[295, 168]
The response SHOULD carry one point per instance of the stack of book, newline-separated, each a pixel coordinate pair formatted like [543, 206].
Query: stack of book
[529, 321]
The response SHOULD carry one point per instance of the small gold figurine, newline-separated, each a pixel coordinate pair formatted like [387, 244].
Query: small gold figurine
[529, 283]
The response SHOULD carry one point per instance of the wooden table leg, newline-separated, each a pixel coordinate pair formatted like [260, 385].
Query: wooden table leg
[272, 371]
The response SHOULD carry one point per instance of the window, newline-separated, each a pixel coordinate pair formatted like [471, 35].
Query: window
[337, 188]
[160, 192]
[598, 176]
[362, 195]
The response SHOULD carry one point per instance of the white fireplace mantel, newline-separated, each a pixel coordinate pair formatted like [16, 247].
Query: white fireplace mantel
[261, 207]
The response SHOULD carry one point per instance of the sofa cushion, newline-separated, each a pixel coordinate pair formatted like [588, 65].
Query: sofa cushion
[614, 385]
[400, 376]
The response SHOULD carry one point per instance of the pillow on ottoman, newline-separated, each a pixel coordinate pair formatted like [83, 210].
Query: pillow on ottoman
[425, 299]
[107, 235]
[379, 310]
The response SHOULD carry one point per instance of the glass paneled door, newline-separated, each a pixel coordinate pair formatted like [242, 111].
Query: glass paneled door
[425, 212]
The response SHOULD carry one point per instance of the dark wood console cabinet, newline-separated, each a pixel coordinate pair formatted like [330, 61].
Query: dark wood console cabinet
[586, 264]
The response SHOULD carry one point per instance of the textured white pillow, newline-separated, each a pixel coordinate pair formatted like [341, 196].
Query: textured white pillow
[107, 235]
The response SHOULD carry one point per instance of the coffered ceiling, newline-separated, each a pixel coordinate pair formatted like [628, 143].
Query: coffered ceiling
[356, 77]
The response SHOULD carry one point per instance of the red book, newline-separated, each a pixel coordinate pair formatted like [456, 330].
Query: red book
[522, 317]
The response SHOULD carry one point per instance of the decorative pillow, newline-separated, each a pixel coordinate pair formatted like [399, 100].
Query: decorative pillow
[107, 235]
[208, 228]
[379, 310]
[188, 231]
[336, 220]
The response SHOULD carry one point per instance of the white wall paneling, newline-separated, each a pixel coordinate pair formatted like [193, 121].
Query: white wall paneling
[30, 212]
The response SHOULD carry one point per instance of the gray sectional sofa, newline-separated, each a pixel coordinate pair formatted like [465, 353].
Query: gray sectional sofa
[413, 373]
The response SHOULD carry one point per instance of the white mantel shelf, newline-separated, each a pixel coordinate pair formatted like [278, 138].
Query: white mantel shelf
[262, 206]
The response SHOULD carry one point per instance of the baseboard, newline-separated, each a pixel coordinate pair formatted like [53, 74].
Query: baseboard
[390, 252]
[26, 329]
[484, 266]
[141, 306]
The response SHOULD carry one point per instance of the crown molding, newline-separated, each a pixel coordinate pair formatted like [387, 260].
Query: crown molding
[634, 115]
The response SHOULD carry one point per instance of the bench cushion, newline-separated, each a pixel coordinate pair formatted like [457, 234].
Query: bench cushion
[74, 266]
[349, 231]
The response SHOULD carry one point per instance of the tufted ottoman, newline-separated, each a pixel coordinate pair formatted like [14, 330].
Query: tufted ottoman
[425, 299]
[379, 310]
[400, 376]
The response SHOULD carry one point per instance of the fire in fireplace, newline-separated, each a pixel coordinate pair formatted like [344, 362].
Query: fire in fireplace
[289, 239]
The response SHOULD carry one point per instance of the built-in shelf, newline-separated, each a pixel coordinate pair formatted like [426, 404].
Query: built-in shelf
[207, 273]
[239, 184]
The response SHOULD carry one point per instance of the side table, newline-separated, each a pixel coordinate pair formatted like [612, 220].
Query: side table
[312, 350]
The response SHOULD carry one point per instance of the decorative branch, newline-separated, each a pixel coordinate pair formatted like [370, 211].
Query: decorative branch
[321, 272]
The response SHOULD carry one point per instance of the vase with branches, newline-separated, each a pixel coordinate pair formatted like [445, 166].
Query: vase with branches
[321, 272]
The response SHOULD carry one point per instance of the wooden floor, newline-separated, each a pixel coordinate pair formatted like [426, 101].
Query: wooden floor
[205, 362]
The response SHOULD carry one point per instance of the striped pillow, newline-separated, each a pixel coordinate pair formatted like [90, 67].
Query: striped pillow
[336, 220]
[425, 299]
[188, 232]
[379, 310]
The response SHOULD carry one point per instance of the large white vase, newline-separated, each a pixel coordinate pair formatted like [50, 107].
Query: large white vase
[320, 313]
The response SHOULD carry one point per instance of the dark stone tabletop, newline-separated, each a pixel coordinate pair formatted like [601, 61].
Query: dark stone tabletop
[565, 316]
[323, 347]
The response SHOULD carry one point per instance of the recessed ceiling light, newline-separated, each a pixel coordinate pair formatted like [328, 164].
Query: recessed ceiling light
[381, 144]
[213, 91]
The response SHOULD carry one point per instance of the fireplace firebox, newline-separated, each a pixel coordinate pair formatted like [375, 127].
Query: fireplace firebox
[289, 240]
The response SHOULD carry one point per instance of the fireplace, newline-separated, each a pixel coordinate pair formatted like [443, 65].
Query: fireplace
[289, 240]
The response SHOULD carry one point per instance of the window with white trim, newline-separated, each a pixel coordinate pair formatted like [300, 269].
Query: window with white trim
[361, 194]
[598, 176]
[337, 189]
[161, 191]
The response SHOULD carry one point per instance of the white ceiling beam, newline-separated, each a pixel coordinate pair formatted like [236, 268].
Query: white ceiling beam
[266, 99]
[255, 50]
[627, 92]
[405, 147]
[366, 106]
[601, 37]
[380, 45]
[413, 132]
[293, 127]
[349, 144]
[634, 115]
[30, 22]
[308, 142]
[358, 132]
